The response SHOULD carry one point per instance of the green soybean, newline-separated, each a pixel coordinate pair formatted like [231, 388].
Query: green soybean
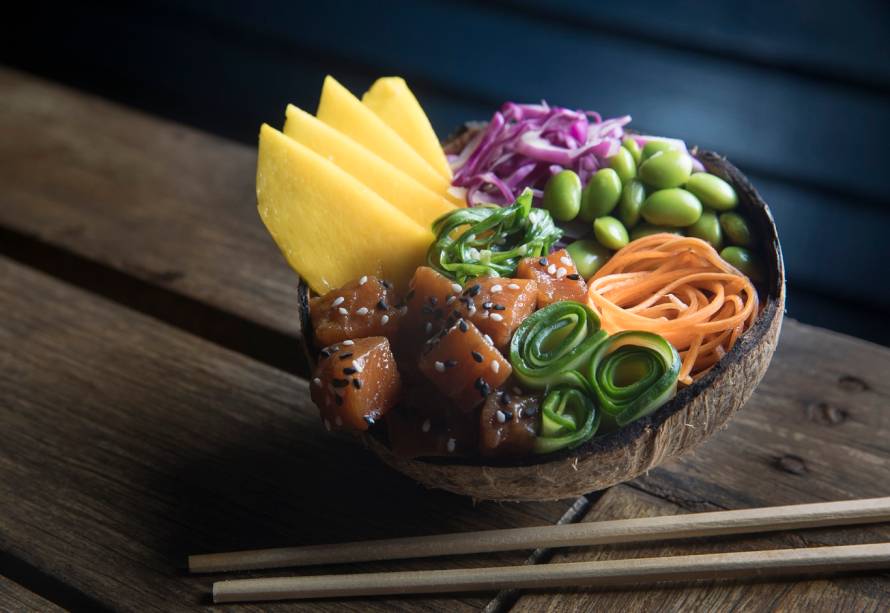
[666, 169]
[601, 194]
[562, 195]
[671, 207]
[654, 146]
[623, 163]
[630, 143]
[744, 260]
[632, 196]
[708, 229]
[712, 191]
[647, 229]
[736, 229]
[588, 256]
[610, 233]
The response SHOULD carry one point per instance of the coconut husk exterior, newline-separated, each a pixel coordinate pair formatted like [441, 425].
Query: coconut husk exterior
[695, 414]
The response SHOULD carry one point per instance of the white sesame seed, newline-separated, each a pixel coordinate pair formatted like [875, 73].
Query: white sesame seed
[451, 445]
[440, 366]
[455, 287]
[384, 320]
[497, 317]
[451, 299]
[357, 366]
[566, 260]
[363, 280]
[404, 310]
[495, 366]
[513, 286]
[349, 343]
[496, 288]
[551, 269]
[338, 421]
[488, 339]
[317, 381]
[327, 425]
[472, 310]
[338, 301]
[362, 311]
[484, 315]
[561, 272]
[426, 426]
[342, 311]
[499, 415]
[429, 327]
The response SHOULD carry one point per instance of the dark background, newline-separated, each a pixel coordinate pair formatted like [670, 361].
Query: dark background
[793, 92]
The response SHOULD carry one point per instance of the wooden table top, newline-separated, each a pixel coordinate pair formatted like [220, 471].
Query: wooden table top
[153, 404]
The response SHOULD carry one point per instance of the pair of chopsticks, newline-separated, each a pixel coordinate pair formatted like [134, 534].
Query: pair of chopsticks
[768, 563]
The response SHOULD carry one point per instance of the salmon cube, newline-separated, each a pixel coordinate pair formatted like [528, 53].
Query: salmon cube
[557, 278]
[355, 383]
[497, 306]
[509, 424]
[365, 307]
[463, 365]
[430, 301]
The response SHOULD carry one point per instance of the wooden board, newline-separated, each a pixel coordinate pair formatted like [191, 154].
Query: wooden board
[128, 445]
[14, 597]
[816, 429]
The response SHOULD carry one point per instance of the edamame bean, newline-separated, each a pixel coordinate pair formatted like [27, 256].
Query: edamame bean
[588, 256]
[630, 143]
[601, 194]
[744, 260]
[610, 233]
[623, 163]
[712, 191]
[562, 195]
[632, 197]
[736, 229]
[666, 169]
[647, 229]
[708, 229]
[671, 207]
[654, 146]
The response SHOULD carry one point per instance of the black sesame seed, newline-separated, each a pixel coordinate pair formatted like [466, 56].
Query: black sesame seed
[434, 300]
[369, 419]
[484, 389]
[340, 382]
[573, 276]
[474, 290]
[500, 307]
[463, 325]
[357, 384]
[381, 304]
[478, 383]
[450, 363]
[476, 356]
[349, 370]
[505, 398]
[508, 415]
[325, 353]
[531, 411]
[385, 283]
[542, 261]
[345, 356]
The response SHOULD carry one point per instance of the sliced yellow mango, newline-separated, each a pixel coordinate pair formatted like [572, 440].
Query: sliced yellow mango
[344, 112]
[399, 189]
[396, 105]
[330, 227]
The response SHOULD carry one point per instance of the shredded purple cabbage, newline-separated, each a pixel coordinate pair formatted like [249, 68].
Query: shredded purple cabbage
[525, 144]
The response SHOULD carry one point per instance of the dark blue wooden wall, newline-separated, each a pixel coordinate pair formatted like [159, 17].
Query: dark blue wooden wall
[796, 93]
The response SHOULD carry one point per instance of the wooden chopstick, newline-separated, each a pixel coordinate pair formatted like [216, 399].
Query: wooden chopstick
[760, 564]
[765, 519]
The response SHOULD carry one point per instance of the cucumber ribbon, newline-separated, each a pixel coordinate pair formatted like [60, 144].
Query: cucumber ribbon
[589, 377]
[490, 240]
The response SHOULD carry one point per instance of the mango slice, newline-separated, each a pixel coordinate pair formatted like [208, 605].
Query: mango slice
[399, 189]
[330, 227]
[395, 104]
[344, 112]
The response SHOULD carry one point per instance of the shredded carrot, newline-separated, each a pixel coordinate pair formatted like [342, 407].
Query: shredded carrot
[680, 288]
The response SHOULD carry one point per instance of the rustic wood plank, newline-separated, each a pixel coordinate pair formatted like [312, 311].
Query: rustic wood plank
[14, 597]
[164, 203]
[128, 444]
[816, 429]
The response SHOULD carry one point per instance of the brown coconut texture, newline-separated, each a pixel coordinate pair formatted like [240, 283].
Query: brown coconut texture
[694, 415]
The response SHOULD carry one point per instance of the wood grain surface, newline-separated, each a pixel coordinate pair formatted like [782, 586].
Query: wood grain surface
[817, 429]
[14, 597]
[129, 445]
